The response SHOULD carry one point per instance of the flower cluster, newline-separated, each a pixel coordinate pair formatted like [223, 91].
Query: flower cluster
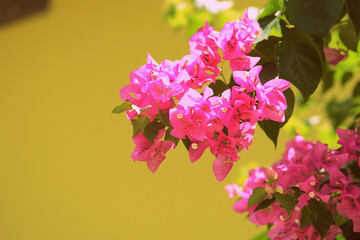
[309, 194]
[165, 103]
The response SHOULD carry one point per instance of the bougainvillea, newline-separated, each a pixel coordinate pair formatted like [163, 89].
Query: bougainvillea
[311, 193]
[164, 100]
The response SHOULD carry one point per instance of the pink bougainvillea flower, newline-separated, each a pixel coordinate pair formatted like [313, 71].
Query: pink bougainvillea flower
[350, 208]
[222, 166]
[273, 102]
[204, 39]
[190, 122]
[350, 141]
[197, 149]
[249, 79]
[267, 215]
[233, 190]
[200, 68]
[236, 39]
[334, 56]
[152, 154]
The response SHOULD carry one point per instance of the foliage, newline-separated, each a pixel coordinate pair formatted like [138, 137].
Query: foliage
[313, 192]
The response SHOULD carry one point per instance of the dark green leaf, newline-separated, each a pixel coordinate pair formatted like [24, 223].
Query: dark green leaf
[354, 13]
[268, 72]
[266, 30]
[186, 141]
[346, 77]
[164, 118]
[356, 91]
[271, 7]
[170, 137]
[232, 81]
[338, 111]
[261, 236]
[257, 196]
[338, 219]
[286, 201]
[290, 101]
[122, 107]
[305, 217]
[324, 220]
[297, 191]
[355, 169]
[266, 50]
[348, 232]
[296, 35]
[348, 36]
[265, 204]
[314, 207]
[151, 130]
[139, 122]
[329, 80]
[218, 87]
[318, 44]
[314, 16]
[271, 129]
[299, 64]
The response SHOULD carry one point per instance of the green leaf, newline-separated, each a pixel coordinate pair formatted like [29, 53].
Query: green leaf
[305, 217]
[271, 129]
[271, 7]
[296, 35]
[186, 141]
[266, 50]
[356, 91]
[164, 118]
[338, 110]
[324, 220]
[354, 13]
[346, 77]
[265, 203]
[218, 87]
[329, 80]
[268, 72]
[314, 16]
[338, 219]
[170, 137]
[286, 201]
[348, 36]
[139, 122]
[261, 236]
[257, 196]
[348, 232]
[314, 207]
[299, 64]
[340, 237]
[290, 101]
[151, 130]
[266, 29]
[122, 107]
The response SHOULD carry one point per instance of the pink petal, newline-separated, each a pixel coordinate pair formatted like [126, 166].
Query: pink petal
[221, 168]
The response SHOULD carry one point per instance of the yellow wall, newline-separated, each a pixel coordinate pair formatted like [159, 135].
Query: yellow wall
[65, 166]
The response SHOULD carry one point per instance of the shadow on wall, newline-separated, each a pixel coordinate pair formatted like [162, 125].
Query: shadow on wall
[13, 10]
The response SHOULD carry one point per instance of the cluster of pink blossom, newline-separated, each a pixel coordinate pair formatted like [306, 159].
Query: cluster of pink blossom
[309, 193]
[168, 94]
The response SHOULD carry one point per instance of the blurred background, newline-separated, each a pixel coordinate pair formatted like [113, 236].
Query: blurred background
[65, 166]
